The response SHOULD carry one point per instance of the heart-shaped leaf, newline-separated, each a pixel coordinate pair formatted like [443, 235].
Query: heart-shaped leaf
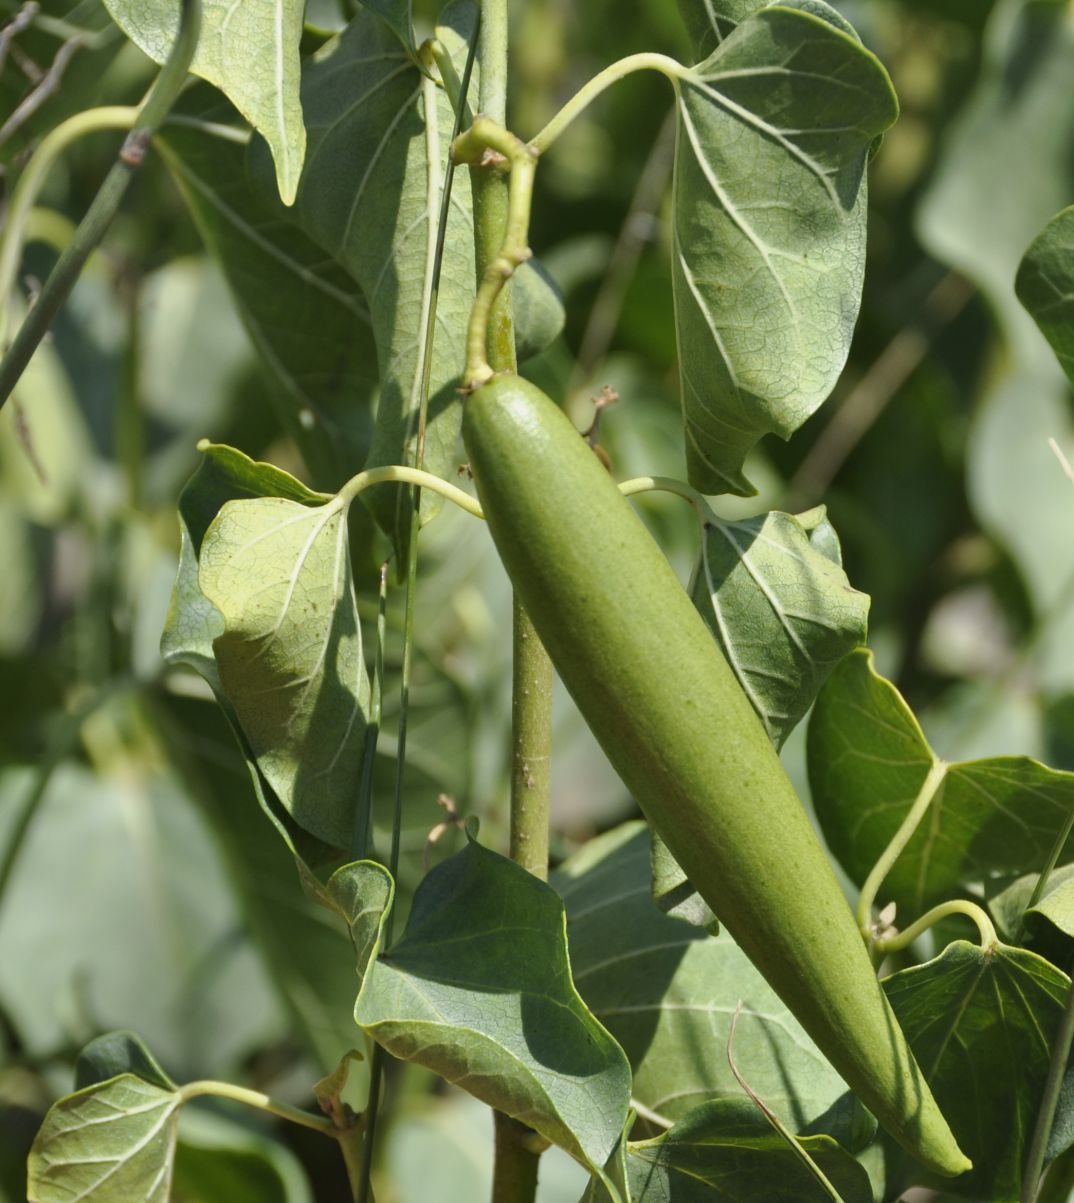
[666, 990]
[251, 53]
[767, 285]
[774, 594]
[479, 989]
[1045, 285]
[726, 1150]
[304, 314]
[290, 655]
[981, 1025]
[868, 762]
[397, 15]
[109, 1143]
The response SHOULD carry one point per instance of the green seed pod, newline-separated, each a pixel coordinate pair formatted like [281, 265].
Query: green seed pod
[660, 697]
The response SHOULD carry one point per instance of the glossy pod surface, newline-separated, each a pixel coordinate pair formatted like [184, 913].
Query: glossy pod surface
[661, 699]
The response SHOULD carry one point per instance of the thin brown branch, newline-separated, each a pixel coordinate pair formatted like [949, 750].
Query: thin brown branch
[49, 86]
[23, 19]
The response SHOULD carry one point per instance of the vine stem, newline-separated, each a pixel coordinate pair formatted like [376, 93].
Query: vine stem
[933, 780]
[957, 906]
[1038, 1146]
[474, 147]
[501, 243]
[263, 1102]
[402, 474]
[91, 229]
[584, 97]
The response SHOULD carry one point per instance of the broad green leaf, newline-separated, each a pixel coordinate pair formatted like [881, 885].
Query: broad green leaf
[767, 285]
[396, 14]
[290, 655]
[193, 622]
[251, 53]
[370, 196]
[776, 598]
[1049, 924]
[117, 1053]
[110, 1143]
[479, 989]
[304, 315]
[709, 22]
[665, 989]
[1045, 285]
[224, 474]
[726, 1150]
[981, 1025]
[868, 760]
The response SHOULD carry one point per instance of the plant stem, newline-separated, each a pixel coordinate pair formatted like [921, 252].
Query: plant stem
[957, 906]
[501, 221]
[254, 1098]
[585, 95]
[667, 484]
[160, 98]
[1038, 1147]
[515, 1173]
[531, 746]
[490, 335]
[929, 787]
[401, 474]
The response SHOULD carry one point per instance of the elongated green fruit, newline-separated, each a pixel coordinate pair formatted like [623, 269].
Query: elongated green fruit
[658, 694]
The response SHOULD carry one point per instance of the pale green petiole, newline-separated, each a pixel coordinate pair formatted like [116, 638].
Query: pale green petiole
[254, 1098]
[927, 792]
[585, 95]
[957, 906]
[400, 474]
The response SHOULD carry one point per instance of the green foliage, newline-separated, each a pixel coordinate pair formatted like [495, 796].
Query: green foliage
[868, 761]
[766, 291]
[1045, 285]
[482, 926]
[977, 1017]
[142, 889]
[251, 54]
[773, 591]
[726, 1150]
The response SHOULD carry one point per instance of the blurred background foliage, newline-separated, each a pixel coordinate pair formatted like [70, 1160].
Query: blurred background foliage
[147, 891]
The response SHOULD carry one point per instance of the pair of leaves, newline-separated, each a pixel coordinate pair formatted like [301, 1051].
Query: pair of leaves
[868, 760]
[264, 609]
[774, 133]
